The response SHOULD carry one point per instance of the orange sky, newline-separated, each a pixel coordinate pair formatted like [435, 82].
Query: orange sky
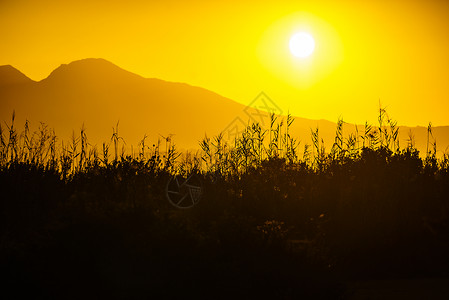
[366, 51]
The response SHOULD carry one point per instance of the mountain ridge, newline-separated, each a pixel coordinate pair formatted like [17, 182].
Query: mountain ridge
[98, 94]
[11, 76]
[87, 67]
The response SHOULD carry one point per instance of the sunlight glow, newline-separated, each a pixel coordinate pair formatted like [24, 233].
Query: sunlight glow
[302, 44]
[300, 49]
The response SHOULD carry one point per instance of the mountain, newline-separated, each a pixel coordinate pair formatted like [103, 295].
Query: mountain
[10, 76]
[98, 94]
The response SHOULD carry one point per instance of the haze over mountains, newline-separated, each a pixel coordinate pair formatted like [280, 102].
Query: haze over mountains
[98, 94]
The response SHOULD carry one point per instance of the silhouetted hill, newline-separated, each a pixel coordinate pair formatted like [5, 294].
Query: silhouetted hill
[11, 76]
[91, 70]
[98, 94]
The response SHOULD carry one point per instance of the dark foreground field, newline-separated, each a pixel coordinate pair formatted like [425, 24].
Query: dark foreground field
[75, 224]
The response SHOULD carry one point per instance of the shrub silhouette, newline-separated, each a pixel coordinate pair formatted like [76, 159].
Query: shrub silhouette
[72, 217]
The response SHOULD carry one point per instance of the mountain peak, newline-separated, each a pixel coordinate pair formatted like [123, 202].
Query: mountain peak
[11, 76]
[88, 69]
[89, 63]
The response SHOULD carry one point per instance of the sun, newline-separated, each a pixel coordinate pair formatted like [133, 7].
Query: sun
[302, 44]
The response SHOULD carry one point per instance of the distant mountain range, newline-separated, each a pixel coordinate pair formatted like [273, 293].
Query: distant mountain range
[98, 94]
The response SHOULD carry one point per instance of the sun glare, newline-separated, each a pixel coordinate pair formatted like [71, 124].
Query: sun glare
[302, 44]
[300, 49]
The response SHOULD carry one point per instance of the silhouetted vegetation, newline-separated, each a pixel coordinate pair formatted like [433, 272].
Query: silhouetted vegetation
[76, 220]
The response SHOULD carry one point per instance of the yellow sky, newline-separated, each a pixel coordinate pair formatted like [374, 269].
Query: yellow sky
[366, 51]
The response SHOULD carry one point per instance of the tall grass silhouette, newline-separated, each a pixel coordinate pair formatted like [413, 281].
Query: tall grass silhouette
[272, 221]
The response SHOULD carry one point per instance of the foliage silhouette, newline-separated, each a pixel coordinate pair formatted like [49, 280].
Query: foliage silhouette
[269, 224]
